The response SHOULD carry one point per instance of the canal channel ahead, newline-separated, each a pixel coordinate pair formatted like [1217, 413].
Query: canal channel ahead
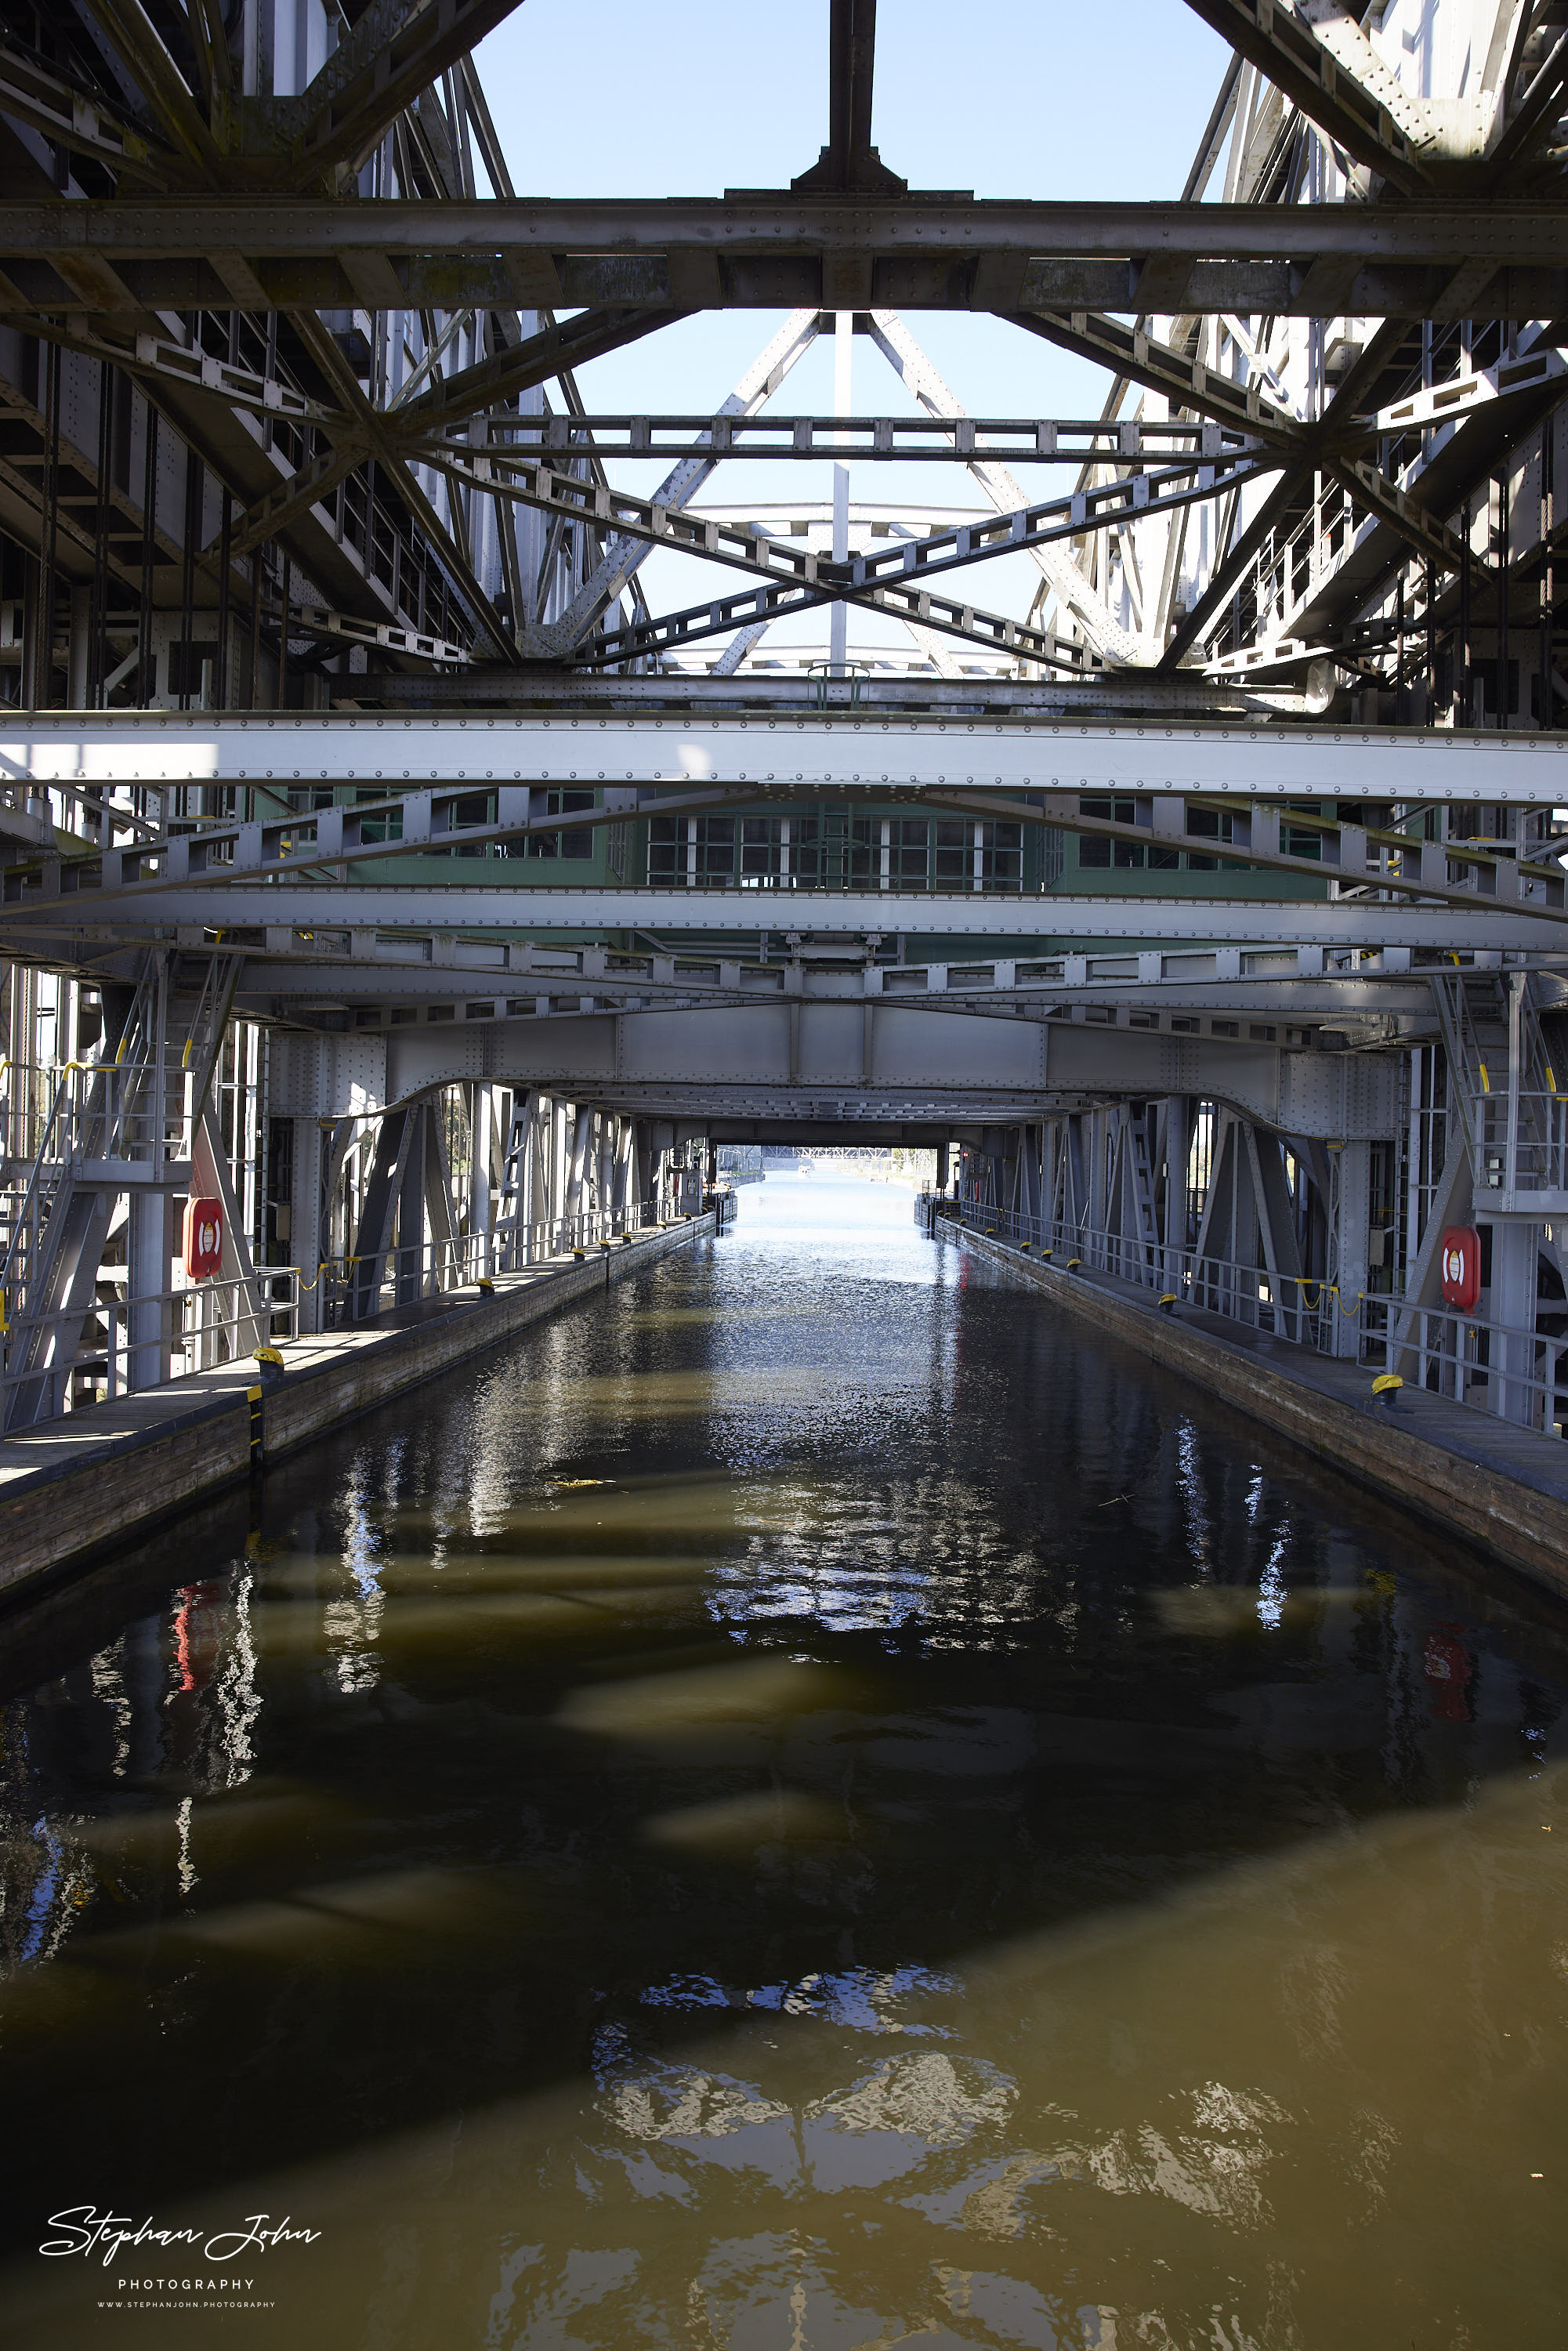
[805, 1806]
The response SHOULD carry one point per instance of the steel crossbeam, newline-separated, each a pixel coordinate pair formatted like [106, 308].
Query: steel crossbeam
[767, 252]
[1128, 441]
[518, 909]
[81, 121]
[640, 640]
[644, 768]
[153, 748]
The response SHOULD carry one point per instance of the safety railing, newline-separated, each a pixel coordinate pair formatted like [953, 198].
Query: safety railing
[1298, 1308]
[357, 1288]
[56, 1113]
[118, 1344]
[1497, 1367]
[1516, 1375]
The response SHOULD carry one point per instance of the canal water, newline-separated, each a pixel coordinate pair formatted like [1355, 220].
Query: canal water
[805, 1806]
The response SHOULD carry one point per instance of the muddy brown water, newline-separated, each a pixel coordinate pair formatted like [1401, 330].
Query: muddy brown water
[804, 1806]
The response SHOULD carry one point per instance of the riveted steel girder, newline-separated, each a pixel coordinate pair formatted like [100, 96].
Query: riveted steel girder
[766, 252]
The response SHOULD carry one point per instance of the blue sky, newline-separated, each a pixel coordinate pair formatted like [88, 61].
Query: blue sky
[600, 98]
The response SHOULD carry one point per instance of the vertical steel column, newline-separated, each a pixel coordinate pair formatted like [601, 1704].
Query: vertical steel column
[1548, 579]
[307, 1242]
[1098, 1123]
[79, 625]
[1511, 1298]
[146, 683]
[1351, 1221]
[192, 528]
[98, 636]
[221, 664]
[482, 1172]
[44, 681]
[149, 1250]
[843, 349]
[1464, 703]
[286, 590]
[409, 1259]
[1505, 693]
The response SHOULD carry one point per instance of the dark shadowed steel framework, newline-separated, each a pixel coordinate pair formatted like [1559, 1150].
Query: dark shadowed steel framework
[381, 861]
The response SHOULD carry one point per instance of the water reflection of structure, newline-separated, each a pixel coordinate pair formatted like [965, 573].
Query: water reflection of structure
[804, 1726]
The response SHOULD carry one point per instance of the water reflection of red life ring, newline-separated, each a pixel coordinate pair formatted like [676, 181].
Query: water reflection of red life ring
[1461, 1263]
[1448, 1666]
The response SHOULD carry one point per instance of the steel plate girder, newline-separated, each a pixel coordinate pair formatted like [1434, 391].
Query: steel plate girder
[748, 252]
[125, 748]
[1348, 855]
[1293, 983]
[909, 1063]
[1053, 922]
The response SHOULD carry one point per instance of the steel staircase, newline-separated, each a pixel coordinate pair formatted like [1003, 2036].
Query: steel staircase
[1505, 1089]
[124, 1121]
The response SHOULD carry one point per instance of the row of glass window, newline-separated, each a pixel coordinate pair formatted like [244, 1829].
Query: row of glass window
[1136, 856]
[801, 852]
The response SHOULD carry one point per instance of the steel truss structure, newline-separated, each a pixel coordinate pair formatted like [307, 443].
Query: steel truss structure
[379, 862]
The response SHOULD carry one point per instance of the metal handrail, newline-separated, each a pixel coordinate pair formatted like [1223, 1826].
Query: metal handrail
[1455, 1356]
[206, 1323]
[426, 1269]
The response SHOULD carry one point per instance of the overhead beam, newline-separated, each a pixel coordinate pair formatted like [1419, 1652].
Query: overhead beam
[81, 121]
[130, 30]
[920, 439]
[1137, 357]
[1519, 133]
[1058, 566]
[1455, 875]
[1055, 921]
[122, 749]
[913, 253]
[624, 554]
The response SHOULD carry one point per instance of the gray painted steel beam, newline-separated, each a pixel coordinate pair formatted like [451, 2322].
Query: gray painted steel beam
[280, 977]
[894, 1060]
[514, 913]
[873, 439]
[155, 747]
[1109, 694]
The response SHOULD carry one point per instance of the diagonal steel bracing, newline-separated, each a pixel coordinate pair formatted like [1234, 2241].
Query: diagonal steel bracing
[626, 552]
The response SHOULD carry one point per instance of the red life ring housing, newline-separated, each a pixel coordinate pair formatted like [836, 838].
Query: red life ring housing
[203, 1250]
[1462, 1267]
